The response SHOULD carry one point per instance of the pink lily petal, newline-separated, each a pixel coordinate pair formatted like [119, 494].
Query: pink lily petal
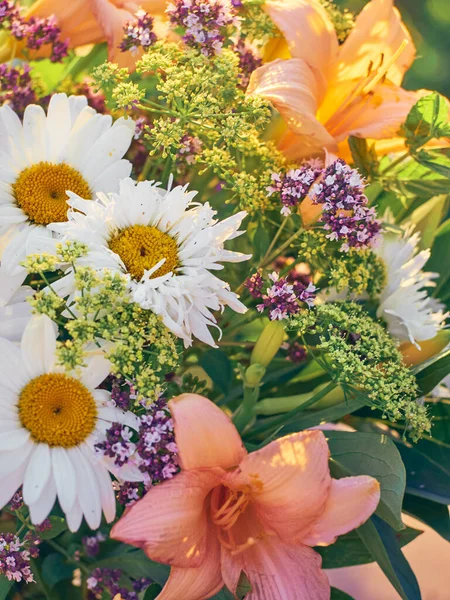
[351, 502]
[290, 482]
[376, 37]
[196, 583]
[204, 434]
[277, 571]
[170, 522]
[308, 31]
[291, 86]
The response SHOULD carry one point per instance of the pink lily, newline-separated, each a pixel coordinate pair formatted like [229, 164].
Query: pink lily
[326, 92]
[229, 512]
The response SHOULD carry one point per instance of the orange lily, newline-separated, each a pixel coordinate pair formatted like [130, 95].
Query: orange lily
[326, 92]
[229, 512]
[85, 22]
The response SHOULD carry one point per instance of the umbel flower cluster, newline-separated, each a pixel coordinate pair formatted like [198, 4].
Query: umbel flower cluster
[223, 298]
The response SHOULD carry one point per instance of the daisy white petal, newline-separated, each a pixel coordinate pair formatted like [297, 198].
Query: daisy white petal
[40, 510]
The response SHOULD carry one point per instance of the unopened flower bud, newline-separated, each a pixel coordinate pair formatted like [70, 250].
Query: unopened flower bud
[268, 343]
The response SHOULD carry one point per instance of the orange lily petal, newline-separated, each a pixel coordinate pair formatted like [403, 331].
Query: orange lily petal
[290, 85]
[170, 522]
[290, 481]
[376, 37]
[278, 571]
[308, 31]
[377, 115]
[204, 434]
[196, 583]
[351, 502]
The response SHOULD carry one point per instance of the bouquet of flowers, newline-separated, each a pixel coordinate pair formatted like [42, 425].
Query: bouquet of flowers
[223, 294]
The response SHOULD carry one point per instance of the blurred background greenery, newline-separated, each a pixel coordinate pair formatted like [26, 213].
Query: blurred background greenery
[429, 24]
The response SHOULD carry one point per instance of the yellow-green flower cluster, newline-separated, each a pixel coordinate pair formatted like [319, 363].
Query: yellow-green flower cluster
[361, 356]
[342, 19]
[255, 24]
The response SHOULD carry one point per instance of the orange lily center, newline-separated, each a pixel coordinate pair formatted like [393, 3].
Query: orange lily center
[226, 507]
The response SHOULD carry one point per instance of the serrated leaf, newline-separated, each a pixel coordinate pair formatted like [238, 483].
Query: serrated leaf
[58, 525]
[440, 163]
[218, 366]
[375, 455]
[431, 513]
[381, 541]
[427, 119]
[54, 569]
[428, 378]
[364, 157]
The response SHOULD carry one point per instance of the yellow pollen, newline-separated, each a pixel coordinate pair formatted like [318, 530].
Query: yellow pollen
[141, 247]
[40, 191]
[57, 410]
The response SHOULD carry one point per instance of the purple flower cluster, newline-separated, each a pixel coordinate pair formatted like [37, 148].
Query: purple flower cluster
[138, 33]
[16, 501]
[117, 444]
[282, 299]
[346, 214]
[296, 353]
[15, 558]
[190, 146]
[91, 543]
[35, 31]
[104, 583]
[205, 22]
[293, 186]
[154, 451]
[16, 88]
[123, 392]
[248, 62]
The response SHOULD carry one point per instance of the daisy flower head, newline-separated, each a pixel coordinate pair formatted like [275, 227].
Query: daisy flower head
[411, 315]
[72, 147]
[167, 245]
[50, 421]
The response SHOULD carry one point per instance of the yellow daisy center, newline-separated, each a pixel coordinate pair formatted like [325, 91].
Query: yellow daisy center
[141, 247]
[40, 191]
[57, 410]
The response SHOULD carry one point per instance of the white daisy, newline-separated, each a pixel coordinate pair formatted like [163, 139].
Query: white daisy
[70, 148]
[404, 303]
[167, 245]
[15, 314]
[49, 423]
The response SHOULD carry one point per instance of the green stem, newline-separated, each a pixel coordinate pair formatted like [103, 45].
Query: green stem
[274, 241]
[281, 248]
[244, 413]
[394, 163]
[67, 556]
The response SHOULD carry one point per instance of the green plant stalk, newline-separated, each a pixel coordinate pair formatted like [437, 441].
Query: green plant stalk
[244, 413]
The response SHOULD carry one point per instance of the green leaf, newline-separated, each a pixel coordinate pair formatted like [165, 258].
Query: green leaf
[427, 218]
[365, 158]
[376, 455]
[54, 569]
[439, 252]
[435, 161]
[349, 550]
[431, 513]
[5, 586]
[339, 595]
[426, 120]
[261, 242]
[58, 526]
[224, 594]
[152, 591]
[380, 540]
[427, 466]
[135, 564]
[428, 378]
[218, 366]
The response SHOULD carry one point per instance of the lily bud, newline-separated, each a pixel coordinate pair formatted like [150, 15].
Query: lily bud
[254, 374]
[268, 343]
[428, 348]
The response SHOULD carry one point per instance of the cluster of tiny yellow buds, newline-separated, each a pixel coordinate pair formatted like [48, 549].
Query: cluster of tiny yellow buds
[70, 251]
[126, 95]
[82, 330]
[108, 74]
[255, 25]
[46, 303]
[86, 279]
[342, 19]
[70, 355]
[39, 263]
[357, 272]
[361, 356]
